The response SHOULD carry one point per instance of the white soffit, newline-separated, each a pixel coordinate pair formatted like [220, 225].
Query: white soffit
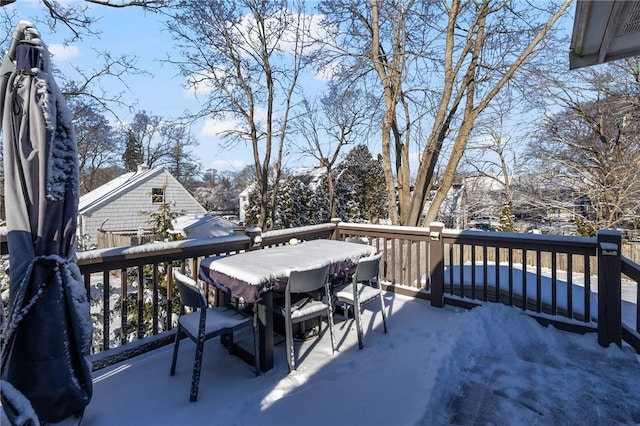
[604, 31]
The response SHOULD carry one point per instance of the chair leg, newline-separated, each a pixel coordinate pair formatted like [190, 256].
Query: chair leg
[175, 351]
[358, 317]
[290, 351]
[333, 341]
[384, 318]
[330, 317]
[256, 340]
[197, 366]
[230, 342]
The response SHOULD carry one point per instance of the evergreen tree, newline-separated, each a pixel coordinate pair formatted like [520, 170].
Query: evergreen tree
[293, 203]
[507, 219]
[319, 206]
[133, 155]
[252, 213]
[362, 186]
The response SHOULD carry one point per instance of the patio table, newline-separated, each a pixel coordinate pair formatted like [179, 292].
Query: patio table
[254, 275]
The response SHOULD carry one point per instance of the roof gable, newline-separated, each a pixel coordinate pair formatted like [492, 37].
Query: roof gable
[113, 189]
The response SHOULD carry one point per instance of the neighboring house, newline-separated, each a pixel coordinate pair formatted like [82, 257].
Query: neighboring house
[244, 202]
[202, 226]
[120, 205]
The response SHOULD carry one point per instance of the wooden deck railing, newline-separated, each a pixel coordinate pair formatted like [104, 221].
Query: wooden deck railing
[465, 268]
[557, 279]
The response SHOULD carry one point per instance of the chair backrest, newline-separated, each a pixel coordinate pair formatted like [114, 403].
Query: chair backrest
[367, 268]
[189, 292]
[307, 280]
[355, 240]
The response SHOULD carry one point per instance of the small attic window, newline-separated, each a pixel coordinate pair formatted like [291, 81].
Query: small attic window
[157, 195]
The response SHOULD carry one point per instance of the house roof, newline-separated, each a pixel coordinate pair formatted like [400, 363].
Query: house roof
[188, 222]
[110, 190]
[604, 31]
[216, 225]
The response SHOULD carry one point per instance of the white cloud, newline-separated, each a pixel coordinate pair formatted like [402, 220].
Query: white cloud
[202, 84]
[62, 53]
[327, 72]
[213, 127]
[218, 127]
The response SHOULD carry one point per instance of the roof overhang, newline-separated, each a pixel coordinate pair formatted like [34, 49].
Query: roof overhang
[604, 31]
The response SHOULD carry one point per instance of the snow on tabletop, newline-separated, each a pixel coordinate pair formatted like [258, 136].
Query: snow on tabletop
[260, 266]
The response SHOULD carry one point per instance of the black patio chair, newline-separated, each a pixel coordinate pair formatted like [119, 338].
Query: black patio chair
[205, 323]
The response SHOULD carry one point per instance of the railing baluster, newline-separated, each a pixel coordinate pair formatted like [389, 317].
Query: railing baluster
[409, 272]
[140, 302]
[107, 310]
[485, 276]
[418, 265]
[124, 306]
[538, 281]
[587, 289]
[510, 254]
[87, 285]
[524, 279]
[451, 267]
[154, 327]
[169, 268]
[385, 256]
[461, 261]
[554, 283]
[404, 260]
[570, 286]
[638, 309]
[393, 260]
[497, 252]
[473, 271]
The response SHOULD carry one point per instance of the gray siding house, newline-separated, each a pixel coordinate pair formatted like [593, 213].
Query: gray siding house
[119, 205]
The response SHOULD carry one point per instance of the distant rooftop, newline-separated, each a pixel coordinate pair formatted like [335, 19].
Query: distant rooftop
[114, 187]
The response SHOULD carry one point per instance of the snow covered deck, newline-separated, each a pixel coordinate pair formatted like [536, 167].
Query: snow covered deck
[490, 365]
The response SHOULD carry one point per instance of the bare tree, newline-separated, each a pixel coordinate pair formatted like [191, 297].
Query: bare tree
[493, 155]
[590, 150]
[156, 142]
[440, 63]
[75, 17]
[77, 22]
[180, 160]
[245, 62]
[98, 150]
[341, 117]
[144, 141]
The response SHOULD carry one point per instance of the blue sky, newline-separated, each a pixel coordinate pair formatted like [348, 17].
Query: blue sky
[131, 31]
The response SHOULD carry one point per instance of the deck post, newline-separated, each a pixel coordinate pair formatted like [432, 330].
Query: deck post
[255, 233]
[436, 264]
[609, 287]
[335, 221]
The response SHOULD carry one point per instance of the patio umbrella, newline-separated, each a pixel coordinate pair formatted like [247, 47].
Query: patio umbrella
[48, 331]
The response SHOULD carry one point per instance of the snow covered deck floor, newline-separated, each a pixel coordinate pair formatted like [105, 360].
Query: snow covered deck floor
[491, 365]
